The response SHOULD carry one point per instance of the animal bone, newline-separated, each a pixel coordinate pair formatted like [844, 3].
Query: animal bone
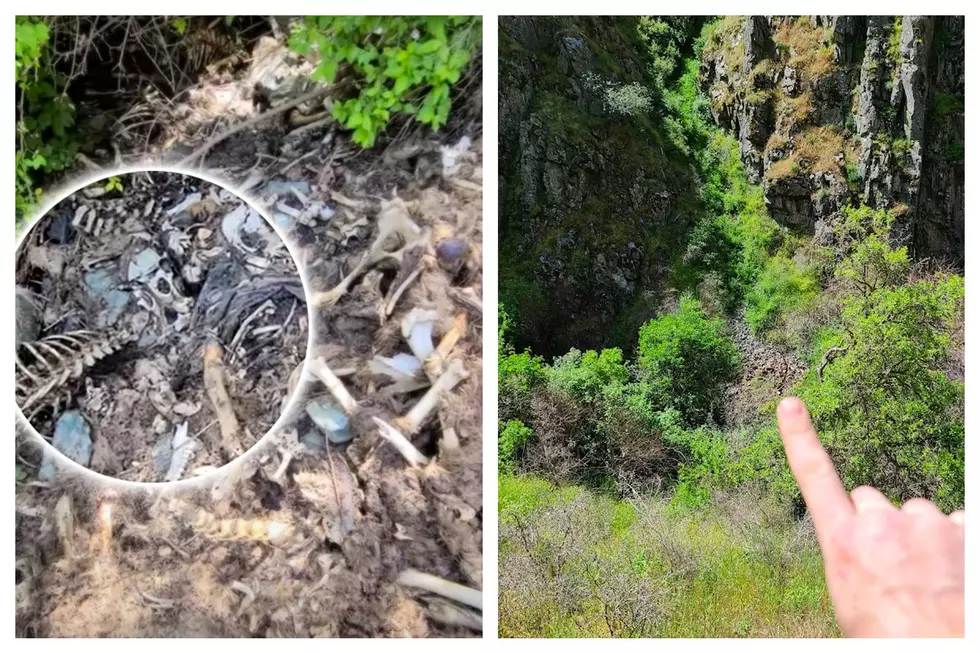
[392, 220]
[57, 359]
[442, 587]
[290, 447]
[453, 374]
[433, 364]
[319, 368]
[64, 517]
[400, 442]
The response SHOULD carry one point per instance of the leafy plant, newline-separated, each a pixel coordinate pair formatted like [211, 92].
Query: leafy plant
[400, 65]
[512, 439]
[45, 114]
[688, 357]
[112, 184]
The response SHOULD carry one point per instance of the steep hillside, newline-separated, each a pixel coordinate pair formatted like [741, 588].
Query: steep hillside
[593, 201]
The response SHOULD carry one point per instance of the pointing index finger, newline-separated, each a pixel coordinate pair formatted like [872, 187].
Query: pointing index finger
[814, 471]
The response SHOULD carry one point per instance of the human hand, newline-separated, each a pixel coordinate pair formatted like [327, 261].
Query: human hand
[891, 572]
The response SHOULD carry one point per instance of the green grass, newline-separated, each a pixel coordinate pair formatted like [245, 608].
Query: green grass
[720, 572]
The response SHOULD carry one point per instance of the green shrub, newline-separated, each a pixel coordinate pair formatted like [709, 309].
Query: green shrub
[688, 358]
[518, 376]
[782, 286]
[868, 260]
[883, 404]
[943, 103]
[588, 377]
[513, 437]
[401, 65]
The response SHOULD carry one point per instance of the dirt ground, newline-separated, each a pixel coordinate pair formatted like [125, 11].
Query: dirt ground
[365, 522]
[145, 277]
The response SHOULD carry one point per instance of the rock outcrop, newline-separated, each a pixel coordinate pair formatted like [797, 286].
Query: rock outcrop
[592, 204]
[822, 125]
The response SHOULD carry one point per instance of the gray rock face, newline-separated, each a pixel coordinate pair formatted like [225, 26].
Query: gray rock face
[900, 103]
[580, 182]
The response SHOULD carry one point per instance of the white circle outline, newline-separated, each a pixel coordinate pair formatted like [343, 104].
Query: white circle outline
[63, 462]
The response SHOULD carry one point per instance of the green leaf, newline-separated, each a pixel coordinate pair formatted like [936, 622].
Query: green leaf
[327, 70]
[429, 47]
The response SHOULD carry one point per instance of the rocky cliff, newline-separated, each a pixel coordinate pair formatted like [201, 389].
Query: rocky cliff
[593, 204]
[836, 110]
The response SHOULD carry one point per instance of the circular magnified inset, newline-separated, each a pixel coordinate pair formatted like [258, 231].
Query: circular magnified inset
[159, 318]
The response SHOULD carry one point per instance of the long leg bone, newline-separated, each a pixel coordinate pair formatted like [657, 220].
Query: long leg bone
[442, 587]
[450, 378]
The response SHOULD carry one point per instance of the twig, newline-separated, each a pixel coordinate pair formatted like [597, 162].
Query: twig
[296, 160]
[400, 442]
[265, 115]
[442, 587]
[319, 368]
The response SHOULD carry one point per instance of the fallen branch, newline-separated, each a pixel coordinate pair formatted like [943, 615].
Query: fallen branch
[442, 587]
[214, 383]
[265, 115]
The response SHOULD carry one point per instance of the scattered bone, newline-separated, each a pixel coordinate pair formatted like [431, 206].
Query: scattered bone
[436, 360]
[64, 518]
[290, 447]
[393, 220]
[442, 587]
[400, 442]
[319, 368]
[413, 421]
[400, 290]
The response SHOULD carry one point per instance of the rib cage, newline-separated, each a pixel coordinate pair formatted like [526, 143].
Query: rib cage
[55, 360]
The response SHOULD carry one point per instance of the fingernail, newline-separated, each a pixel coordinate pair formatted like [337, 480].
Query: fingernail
[790, 407]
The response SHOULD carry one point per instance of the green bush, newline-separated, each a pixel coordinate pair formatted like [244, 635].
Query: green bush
[45, 115]
[688, 358]
[401, 65]
[884, 404]
[781, 287]
[513, 437]
[588, 377]
[869, 260]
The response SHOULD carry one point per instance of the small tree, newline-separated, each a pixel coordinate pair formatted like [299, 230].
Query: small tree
[687, 358]
[881, 400]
